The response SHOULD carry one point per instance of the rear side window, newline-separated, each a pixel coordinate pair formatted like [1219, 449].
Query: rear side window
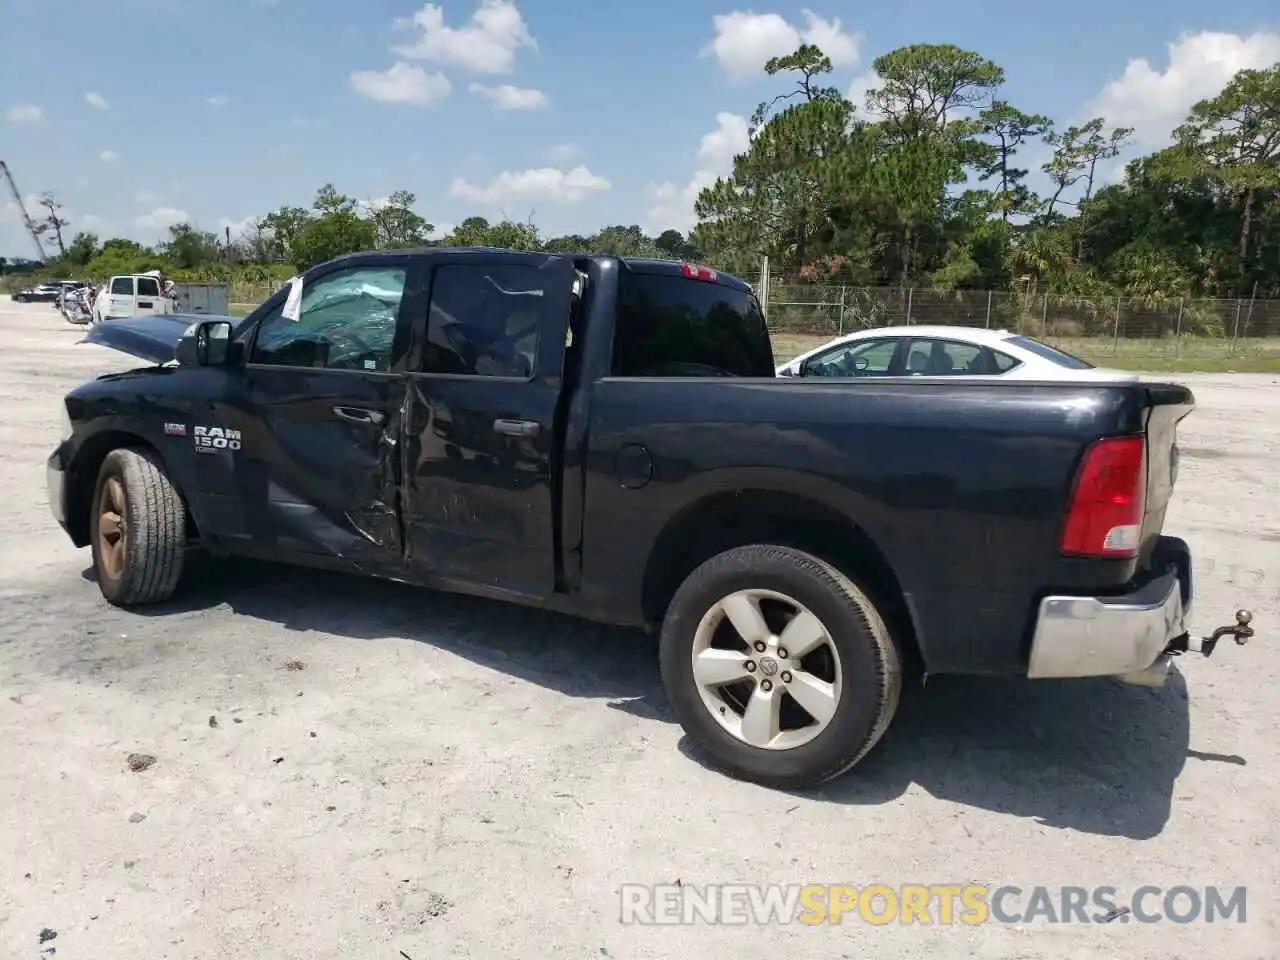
[1003, 362]
[122, 287]
[485, 320]
[670, 326]
[1052, 354]
[148, 287]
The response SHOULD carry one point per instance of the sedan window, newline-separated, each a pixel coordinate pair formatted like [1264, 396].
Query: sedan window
[1052, 354]
[1003, 362]
[945, 358]
[862, 358]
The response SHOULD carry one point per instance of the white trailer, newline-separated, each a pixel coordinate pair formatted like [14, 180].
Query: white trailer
[204, 298]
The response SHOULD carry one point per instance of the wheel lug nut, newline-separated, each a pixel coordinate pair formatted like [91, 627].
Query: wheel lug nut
[751, 666]
[786, 676]
[782, 653]
[766, 685]
[760, 648]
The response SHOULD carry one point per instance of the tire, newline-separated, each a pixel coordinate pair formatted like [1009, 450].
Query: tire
[865, 672]
[143, 564]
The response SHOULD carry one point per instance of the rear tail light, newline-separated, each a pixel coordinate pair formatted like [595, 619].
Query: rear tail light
[1104, 517]
[694, 272]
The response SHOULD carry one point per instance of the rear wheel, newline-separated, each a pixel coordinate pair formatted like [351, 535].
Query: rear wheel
[779, 667]
[138, 529]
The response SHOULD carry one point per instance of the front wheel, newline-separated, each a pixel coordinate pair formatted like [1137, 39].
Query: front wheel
[779, 667]
[138, 529]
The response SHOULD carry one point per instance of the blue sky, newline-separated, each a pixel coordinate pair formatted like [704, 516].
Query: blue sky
[576, 114]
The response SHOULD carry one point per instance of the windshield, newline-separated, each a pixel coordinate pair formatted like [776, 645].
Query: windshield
[1052, 354]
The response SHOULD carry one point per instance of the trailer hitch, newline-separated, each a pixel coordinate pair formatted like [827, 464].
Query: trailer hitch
[1240, 631]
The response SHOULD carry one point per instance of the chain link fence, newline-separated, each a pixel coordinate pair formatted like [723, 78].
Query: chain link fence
[1115, 326]
[250, 293]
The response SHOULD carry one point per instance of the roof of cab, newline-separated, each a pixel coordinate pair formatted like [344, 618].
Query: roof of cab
[638, 264]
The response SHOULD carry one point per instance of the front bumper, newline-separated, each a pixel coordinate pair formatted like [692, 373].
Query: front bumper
[1124, 636]
[55, 479]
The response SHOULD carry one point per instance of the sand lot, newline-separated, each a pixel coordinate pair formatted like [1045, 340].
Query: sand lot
[445, 777]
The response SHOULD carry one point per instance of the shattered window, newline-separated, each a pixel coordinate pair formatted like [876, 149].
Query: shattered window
[347, 321]
[485, 320]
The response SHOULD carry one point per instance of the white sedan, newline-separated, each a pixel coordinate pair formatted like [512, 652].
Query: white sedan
[944, 352]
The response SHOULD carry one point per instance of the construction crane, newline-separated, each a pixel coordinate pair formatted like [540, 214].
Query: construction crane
[22, 209]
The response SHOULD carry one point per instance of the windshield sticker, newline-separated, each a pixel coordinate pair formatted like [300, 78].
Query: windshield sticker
[293, 304]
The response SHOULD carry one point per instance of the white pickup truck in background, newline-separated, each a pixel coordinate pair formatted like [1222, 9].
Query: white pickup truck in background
[149, 294]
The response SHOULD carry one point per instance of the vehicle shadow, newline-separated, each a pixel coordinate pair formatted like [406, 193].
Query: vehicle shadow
[1094, 756]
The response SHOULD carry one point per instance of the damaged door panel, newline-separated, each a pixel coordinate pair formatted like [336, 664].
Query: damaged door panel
[320, 465]
[480, 435]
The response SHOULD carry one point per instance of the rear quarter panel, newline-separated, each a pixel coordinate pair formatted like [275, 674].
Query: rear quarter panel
[961, 485]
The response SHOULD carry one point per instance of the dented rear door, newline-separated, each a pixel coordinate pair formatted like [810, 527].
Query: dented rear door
[482, 448]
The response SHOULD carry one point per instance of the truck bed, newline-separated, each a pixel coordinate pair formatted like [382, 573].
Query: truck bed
[961, 486]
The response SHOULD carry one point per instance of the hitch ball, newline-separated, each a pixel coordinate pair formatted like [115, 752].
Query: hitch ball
[1240, 632]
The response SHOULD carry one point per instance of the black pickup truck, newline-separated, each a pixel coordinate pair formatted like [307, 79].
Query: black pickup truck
[606, 437]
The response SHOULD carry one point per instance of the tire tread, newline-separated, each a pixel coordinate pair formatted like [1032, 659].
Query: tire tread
[156, 544]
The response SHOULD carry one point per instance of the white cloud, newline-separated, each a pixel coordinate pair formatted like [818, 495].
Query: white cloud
[10, 209]
[862, 85]
[563, 152]
[401, 83]
[745, 41]
[97, 101]
[217, 101]
[544, 183]
[106, 156]
[671, 206]
[373, 206]
[1154, 101]
[487, 43]
[507, 97]
[90, 223]
[25, 113]
[238, 227]
[161, 218]
[147, 199]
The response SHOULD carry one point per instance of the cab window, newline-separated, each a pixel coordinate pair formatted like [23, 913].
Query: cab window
[346, 321]
[671, 326]
[485, 320]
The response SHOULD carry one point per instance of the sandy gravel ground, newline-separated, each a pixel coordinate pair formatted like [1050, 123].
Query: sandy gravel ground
[442, 777]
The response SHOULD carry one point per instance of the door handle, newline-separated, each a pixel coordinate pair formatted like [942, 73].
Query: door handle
[517, 428]
[359, 415]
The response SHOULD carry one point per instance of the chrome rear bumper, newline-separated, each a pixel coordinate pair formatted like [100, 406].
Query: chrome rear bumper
[1124, 636]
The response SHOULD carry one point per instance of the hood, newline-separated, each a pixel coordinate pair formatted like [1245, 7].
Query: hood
[150, 338]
